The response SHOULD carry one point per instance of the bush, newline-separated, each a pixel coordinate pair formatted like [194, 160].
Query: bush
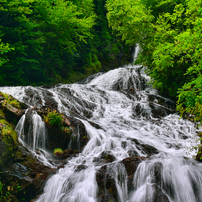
[54, 118]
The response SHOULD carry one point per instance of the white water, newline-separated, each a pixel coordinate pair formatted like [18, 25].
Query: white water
[119, 101]
[36, 137]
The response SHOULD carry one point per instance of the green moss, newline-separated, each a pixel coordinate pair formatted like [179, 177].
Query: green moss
[10, 100]
[7, 132]
[2, 115]
[15, 103]
[58, 151]
[9, 139]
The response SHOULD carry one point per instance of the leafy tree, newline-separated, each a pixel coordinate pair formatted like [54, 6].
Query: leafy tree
[54, 40]
[19, 30]
[45, 34]
[4, 48]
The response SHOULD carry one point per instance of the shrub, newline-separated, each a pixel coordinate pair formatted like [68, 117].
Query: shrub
[53, 118]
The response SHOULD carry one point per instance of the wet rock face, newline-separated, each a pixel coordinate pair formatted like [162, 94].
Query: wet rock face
[70, 134]
[159, 196]
[24, 176]
[76, 139]
[34, 98]
[107, 190]
[107, 156]
[131, 164]
[148, 149]
[106, 186]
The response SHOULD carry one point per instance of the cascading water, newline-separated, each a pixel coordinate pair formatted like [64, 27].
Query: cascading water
[134, 121]
[137, 50]
[36, 136]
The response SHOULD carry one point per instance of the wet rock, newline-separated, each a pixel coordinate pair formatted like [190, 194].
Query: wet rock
[95, 125]
[28, 125]
[148, 149]
[40, 98]
[59, 158]
[132, 153]
[70, 134]
[80, 167]
[99, 161]
[24, 176]
[159, 196]
[131, 164]
[105, 197]
[12, 109]
[157, 111]
[106, 185]
[157, 173]
[107, 156]
[165, 102]
[79, 137]
[2, 98]
[48, 86]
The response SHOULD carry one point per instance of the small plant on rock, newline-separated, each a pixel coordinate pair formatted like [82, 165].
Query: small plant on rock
[53, 118]
[58, 152]
[65, 129]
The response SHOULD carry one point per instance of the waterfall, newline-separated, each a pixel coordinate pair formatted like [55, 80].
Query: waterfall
[20, 129]
[137, 50]
[36, 136]
[35, 139]
[140, 140]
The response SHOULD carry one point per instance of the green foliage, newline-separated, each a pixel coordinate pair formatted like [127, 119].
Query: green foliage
[54, 118]
[190, 99]
[2, 115]
[44, 34]
[7, 132]
[15, 103]
[1, 188]
[65, 129]
[169, 33]
[10, 100]
[53, 41]
[58, 151]
[4, 48]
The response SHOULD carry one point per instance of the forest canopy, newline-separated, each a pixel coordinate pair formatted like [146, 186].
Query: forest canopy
[169, 34]
[51, 41]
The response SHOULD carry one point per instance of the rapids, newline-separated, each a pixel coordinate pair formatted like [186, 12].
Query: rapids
[131, 115]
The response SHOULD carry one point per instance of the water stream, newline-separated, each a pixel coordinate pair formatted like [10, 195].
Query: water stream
[131, 115]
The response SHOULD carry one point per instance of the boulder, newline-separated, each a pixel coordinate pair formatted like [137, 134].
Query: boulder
[106, 186]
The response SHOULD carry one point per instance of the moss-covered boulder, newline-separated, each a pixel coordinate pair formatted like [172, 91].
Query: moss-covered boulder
[21, 174]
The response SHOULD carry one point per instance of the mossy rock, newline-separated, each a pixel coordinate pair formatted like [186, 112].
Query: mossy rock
[11, 109]
[8, 142]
